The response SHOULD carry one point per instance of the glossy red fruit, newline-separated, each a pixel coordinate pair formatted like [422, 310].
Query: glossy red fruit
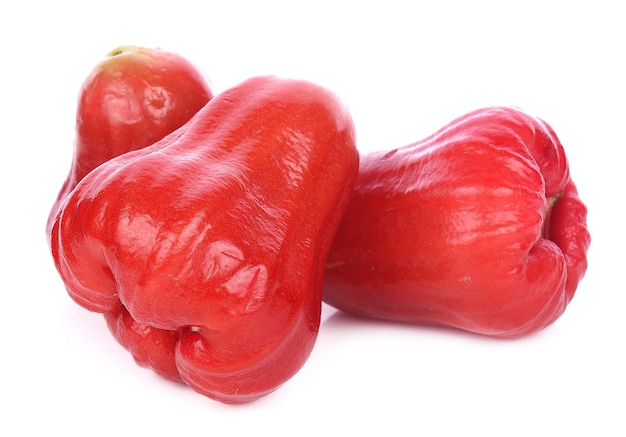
[478, 227]
[131, 99]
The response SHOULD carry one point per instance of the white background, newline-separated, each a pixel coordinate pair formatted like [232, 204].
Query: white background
[404, 72]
